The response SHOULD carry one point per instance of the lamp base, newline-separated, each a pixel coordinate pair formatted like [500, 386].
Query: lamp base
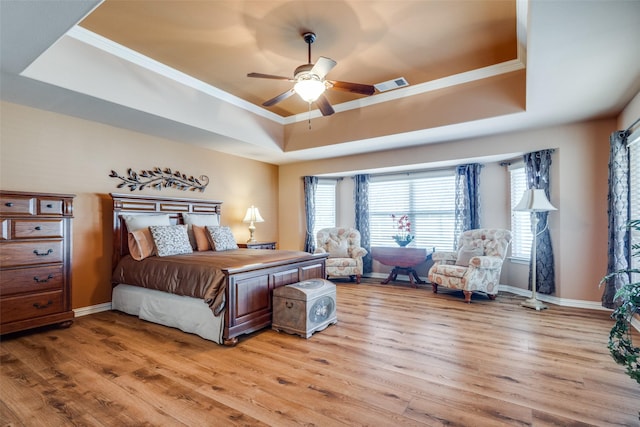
[533, 303]
[252, 241]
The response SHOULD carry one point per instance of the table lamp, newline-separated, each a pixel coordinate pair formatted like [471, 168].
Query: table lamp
[253, 215]
[534, 200]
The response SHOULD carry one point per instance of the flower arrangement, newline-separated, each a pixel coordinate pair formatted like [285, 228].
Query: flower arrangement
[403, 226]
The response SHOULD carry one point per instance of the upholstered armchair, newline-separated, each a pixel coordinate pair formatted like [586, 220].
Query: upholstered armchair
[475, 266]
[345, 254]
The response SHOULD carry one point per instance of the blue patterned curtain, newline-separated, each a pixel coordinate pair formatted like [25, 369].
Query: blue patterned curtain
[310, 186]
[467, 213]
[537, 166]
[361, 196]
[618, 211]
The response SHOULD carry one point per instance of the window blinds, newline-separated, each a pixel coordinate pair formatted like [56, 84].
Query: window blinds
[427, 198]
[520, 221]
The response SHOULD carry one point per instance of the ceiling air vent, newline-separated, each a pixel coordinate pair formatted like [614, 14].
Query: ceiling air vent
[391, 84]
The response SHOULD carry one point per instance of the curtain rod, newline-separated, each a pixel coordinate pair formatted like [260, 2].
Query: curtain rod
[633, 124]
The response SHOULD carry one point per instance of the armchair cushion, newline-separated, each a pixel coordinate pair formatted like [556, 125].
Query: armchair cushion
[445, 257]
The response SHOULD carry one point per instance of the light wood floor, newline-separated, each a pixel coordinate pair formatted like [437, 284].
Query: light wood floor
[398, 356]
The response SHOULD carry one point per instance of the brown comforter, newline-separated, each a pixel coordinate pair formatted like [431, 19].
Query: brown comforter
[200, 274]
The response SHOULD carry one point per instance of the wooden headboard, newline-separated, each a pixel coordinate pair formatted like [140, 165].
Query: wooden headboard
[130, 204]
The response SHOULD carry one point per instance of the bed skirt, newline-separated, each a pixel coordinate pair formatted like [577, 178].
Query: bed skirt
[188, 314]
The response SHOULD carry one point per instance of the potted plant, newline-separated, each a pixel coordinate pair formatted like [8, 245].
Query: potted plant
[403, 234]
[620, 341]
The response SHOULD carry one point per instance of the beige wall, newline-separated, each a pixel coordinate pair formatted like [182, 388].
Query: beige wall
[43, 151]
[47, 152]
[578, 190]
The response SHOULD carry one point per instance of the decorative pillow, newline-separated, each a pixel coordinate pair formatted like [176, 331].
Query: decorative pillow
[466, 253]
[139, 239]
[221, 238]
[200, 236]
[141, 244]
[338, 248]
[171, 239]
[201, 220]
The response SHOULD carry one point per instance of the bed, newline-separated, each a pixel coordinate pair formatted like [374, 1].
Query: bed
[237, 299]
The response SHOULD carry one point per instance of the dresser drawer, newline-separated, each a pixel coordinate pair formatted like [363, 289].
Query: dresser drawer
[31, 306]
[11, 205]
[34, 228]
[30, 280]
[14, 254]
[50, 206]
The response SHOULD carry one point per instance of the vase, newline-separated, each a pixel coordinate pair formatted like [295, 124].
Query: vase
[403, 242]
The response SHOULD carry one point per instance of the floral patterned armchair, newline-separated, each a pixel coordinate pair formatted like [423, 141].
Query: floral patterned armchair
[345, 254]
[475, 266]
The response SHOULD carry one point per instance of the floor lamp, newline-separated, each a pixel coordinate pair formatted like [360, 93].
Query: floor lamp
[534, 200]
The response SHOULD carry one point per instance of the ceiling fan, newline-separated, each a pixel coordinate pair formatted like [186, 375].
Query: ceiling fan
[310, 82]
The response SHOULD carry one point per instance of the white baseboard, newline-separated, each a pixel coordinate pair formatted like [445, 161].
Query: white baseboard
[593, 305]
[83, 311]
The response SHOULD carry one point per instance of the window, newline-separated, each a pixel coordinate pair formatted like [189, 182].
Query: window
[634, 196]
[325, 205]
[427, 198]
[520, 221]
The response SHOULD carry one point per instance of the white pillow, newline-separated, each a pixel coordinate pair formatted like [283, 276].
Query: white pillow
[171, 239]
[201, 220]
[136, 222]
[466, 253]
[338, 249]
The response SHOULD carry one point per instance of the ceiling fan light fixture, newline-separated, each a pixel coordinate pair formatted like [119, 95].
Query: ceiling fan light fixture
[309, 87]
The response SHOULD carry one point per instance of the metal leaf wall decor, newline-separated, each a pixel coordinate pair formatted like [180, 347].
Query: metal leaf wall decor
[158, 179]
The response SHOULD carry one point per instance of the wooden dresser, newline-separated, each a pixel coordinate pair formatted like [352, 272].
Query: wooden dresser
[35, 260]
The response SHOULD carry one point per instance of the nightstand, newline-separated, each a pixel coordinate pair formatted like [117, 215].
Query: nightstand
[258, 245]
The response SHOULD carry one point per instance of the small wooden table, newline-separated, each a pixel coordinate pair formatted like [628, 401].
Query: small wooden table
[403, 260]
[258, 245]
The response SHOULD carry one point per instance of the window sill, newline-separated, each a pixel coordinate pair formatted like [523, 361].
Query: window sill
[518, 260]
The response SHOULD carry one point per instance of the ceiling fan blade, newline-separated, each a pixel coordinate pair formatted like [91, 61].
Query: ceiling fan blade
[268, 76]
[279, 98]
[353, 87]
[324, 105]
[323, 66]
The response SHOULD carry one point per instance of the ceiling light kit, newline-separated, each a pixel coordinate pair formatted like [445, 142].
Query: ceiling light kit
[310, 83]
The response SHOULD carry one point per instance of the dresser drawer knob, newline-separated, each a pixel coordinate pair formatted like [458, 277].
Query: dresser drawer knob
[38, 228]
[49, 205]
[8, 204]
[39, 280]
[40, 306]
[50, 251]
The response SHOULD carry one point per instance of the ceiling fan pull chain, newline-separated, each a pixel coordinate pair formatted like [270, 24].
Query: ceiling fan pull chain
[309, 116]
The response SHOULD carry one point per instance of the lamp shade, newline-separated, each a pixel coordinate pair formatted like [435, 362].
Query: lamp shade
[253, 215]
[534, 200]
[309, 88]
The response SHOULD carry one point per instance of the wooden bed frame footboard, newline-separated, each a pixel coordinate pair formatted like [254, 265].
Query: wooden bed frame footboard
[248, 290]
